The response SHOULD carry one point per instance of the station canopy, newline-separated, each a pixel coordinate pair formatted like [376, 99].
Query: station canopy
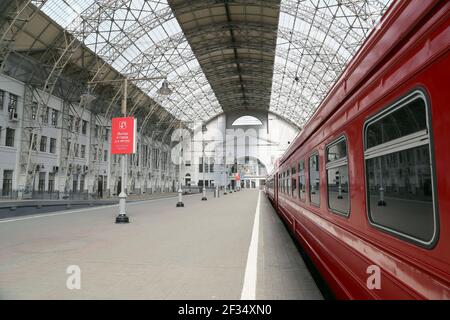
[280, 56]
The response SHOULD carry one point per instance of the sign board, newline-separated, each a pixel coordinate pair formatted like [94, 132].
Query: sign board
[124, 135]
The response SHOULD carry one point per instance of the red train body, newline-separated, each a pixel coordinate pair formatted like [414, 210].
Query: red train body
[365, 186]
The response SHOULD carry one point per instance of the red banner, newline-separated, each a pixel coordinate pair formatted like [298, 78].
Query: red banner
[124, 135]
[238, 177]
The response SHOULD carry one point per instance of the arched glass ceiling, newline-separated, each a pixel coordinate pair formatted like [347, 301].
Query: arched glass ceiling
[316, 40]
[141, 38]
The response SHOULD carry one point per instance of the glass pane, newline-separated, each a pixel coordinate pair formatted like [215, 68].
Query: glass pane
[400, 192]
[314, 180]
[338, 189]
[302, 186]
[337, 151]
[407, 120]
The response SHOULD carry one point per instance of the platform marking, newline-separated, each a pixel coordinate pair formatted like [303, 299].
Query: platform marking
[249, 288]
[61, 213]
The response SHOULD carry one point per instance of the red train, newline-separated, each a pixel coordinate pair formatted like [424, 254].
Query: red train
[365, 186]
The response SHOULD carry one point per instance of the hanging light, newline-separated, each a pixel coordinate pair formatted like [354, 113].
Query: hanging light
[165, 90]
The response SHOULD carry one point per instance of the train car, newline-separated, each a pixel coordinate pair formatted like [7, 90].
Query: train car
[365, 186]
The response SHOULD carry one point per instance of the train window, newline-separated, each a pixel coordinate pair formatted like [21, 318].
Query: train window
[314, 179]
[301, 181]
[288, 182]
[294, 181]
[400, 189]
[337, 177]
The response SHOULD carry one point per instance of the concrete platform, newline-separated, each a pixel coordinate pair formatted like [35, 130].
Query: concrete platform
[200, 251]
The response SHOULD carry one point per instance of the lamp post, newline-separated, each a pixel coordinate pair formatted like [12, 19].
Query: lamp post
[164, 90]
[180, 203]
[203, 161]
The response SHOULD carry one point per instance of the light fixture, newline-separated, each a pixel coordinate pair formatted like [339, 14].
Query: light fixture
[165, 90]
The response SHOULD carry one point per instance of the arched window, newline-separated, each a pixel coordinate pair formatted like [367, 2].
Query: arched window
[247, 121]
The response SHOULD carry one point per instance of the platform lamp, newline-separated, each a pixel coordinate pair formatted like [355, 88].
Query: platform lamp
[164, 91]
[203, 160]
[180, 203]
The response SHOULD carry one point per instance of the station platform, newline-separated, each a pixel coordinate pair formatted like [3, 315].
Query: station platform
[230, 247]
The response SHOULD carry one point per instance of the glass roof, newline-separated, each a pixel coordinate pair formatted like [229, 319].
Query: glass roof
[316, 40]
[142, 38]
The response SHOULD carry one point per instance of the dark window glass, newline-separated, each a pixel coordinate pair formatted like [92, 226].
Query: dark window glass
[401, 194]
[301, 181]
[7, 182]
[51, 182]
[288, 182]
[293, 182]
[43, 145]
[337, 178]
[338, 189]
[400, 178]
[52, 145]
[314, 180]
[41, 182]
[10, 133]
[399, 123]
[2, 99]
[84, 127]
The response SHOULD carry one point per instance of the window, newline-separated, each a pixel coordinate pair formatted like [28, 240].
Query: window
[7, 182]
[96, 131]
[314, 179]
[34, 109]
[12, 106]
[51, 182]
[106, 136]
[84, 127]
[293, 181]
[105, 157]
[68, 148]
[187, 163]
[10, 133]
[76, 149]
[45, 115]
[337, 177]
[301, 181]
[41, 182]
[43, 144]
[2, 99]
[288, 182]
[54, 117]
[52, 145]
[95, 154]
[400, 190]
[83, 151]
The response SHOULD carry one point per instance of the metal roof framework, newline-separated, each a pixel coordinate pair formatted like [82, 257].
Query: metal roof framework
[282, 56]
